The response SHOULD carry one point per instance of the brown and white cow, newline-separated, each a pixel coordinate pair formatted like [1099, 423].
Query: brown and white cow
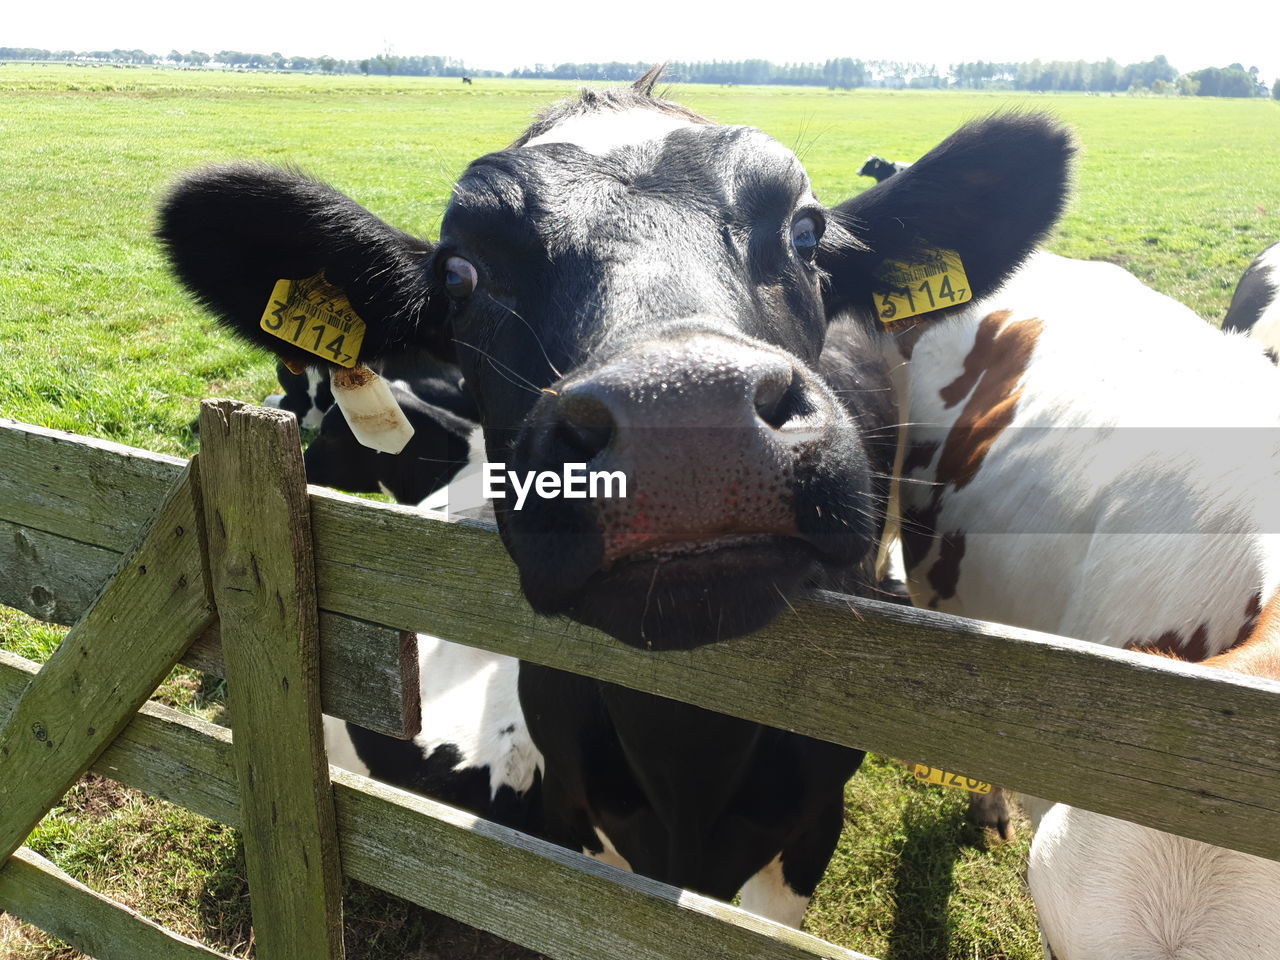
[1105, 888]
[1087, 457]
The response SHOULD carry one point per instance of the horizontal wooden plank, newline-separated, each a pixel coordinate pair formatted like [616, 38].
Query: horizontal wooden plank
[506, 882]
[1173, 746]
[94, 491]
[369, 674]
[34, 890]
[542, 896]
[1168, 745]
[49, 576]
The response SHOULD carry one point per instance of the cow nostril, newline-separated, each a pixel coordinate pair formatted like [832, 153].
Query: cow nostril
[586, 424]
[778, 400]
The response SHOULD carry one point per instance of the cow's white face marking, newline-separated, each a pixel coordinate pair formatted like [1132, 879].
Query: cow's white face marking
[603, 131]
[609, 854]
[767, 895]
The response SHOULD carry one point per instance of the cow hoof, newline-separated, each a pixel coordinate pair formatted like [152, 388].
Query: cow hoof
[991, 812]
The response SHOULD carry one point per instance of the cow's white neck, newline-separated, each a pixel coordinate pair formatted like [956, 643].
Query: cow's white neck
[603, 131]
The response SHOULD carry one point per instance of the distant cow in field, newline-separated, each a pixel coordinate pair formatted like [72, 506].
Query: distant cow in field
[634, 287]
[467, 81]
[882, 169]
[1255, 307]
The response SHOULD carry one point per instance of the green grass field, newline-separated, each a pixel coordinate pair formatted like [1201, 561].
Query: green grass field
[95, 337]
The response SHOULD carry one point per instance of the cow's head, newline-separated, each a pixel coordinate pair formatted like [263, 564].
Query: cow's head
[632, 287]
[876, 167]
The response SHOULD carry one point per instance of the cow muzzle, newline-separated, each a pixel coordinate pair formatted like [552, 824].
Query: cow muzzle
[731, 452]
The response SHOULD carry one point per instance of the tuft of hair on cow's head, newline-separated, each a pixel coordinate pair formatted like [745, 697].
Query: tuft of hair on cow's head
[638, 290]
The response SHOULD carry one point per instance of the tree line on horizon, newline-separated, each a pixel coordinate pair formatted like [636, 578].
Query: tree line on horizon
[1156, 76]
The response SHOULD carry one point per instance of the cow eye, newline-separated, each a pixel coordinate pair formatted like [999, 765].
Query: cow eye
[805, 231]
[460, 278]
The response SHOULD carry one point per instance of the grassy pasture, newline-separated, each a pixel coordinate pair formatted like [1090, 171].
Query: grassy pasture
[96, 338]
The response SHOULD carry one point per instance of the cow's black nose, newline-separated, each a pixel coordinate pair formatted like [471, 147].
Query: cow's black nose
[704, 381]
[768, 383]
[586, 424]
[778, 403]
[707, 428]
[724, 475]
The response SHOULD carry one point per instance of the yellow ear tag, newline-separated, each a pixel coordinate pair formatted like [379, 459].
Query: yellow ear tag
[315, 316]
[934, 283]
[941, 778]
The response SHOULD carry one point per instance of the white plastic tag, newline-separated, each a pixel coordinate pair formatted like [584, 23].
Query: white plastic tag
[371, 409]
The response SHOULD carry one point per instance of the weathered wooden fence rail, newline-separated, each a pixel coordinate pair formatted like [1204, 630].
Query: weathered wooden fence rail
[1174, 746]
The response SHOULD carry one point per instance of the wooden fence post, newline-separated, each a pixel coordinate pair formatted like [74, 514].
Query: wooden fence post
[147, 615]
[261, 567]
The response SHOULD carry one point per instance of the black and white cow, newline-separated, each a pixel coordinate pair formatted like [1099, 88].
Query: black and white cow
[443, 418]
[474, 750]
[1255, 307]
[306, 395]
[631, 286]
[882, 169]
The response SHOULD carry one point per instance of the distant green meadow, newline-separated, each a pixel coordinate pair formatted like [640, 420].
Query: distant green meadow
[96, 337]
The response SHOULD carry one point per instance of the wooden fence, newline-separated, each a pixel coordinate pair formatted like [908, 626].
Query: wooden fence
[307, 600]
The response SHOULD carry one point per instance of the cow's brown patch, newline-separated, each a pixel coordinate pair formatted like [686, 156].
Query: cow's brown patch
[1259, 655]
[1168, 642]
[1197, 646]
[1195, 649]
[1174, 643]
[992, 372]
[1251, 611]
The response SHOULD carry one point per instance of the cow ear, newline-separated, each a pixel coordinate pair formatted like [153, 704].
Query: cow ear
[232, 233]
[989, 192]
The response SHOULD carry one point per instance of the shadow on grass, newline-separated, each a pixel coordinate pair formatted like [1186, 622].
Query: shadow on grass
[223, 907]
[377, 926]
[923, 878]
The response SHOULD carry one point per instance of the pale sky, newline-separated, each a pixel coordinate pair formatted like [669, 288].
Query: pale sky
[501, 34]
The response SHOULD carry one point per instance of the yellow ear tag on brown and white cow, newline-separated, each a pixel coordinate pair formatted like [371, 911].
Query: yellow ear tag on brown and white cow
[934, 282]
[941, 778]
[317, 317]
